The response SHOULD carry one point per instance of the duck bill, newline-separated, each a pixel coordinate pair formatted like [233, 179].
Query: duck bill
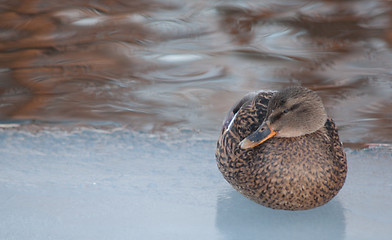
[262, 134]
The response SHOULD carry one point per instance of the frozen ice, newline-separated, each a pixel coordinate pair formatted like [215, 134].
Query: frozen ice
[119, 184]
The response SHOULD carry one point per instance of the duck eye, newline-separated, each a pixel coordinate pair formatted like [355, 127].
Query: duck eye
[285, 111]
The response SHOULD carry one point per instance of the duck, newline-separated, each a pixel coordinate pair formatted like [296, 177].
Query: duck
[281, 150]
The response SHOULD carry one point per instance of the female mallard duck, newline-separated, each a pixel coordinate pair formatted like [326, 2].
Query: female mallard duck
[280, 150]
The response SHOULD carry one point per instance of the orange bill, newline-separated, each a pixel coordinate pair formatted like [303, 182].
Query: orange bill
[262, 134]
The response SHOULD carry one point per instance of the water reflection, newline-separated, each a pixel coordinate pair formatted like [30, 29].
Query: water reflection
[158, 66]
[239, 218]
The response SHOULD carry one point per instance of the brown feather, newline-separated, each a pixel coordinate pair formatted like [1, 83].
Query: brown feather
[293, 173]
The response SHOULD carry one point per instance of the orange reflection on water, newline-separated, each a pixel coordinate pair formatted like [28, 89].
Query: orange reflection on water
[156, 66]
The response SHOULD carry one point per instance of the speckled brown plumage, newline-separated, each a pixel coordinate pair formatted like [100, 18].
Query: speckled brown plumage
[292, 173]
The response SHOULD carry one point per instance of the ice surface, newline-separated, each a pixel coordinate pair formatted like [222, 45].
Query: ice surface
[118, 184]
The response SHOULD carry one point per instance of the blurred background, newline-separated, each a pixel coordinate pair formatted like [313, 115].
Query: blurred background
[167, 67]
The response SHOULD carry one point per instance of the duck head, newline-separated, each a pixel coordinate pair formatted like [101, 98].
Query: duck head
[292, 112]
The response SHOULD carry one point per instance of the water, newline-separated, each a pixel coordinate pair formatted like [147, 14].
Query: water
[110, 110]
[159, 65]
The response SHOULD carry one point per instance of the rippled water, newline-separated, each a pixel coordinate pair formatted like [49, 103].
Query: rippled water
[164, 65]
